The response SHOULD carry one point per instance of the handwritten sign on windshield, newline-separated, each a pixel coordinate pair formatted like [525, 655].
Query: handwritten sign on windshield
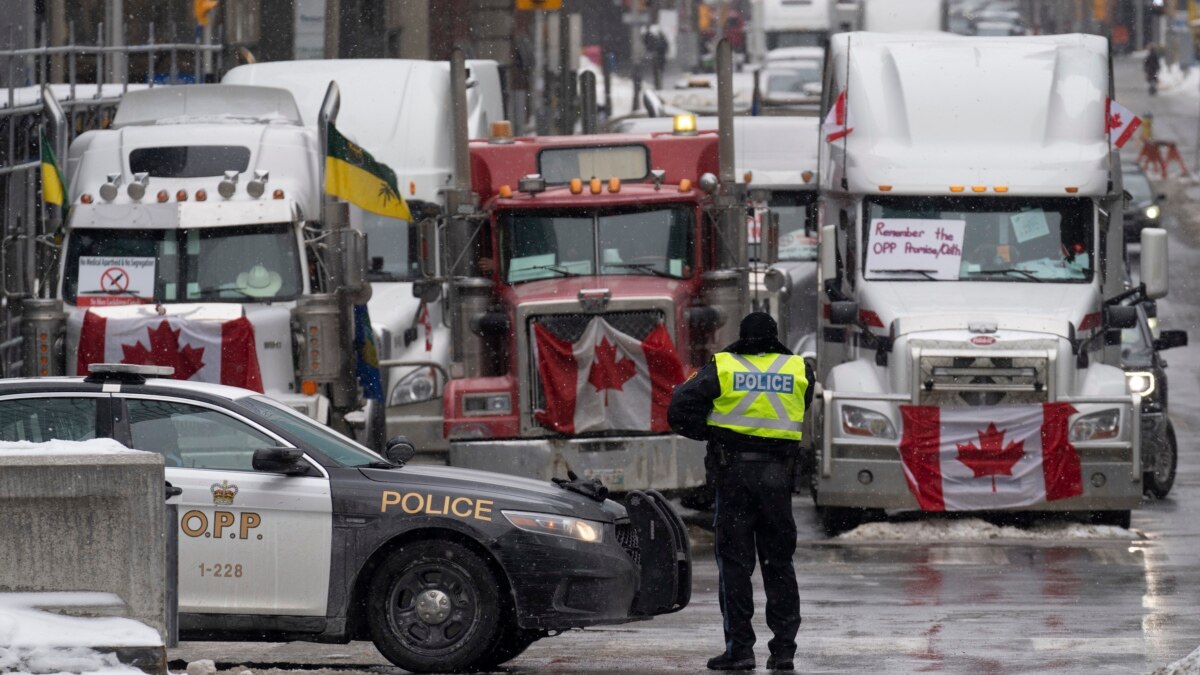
[907, 248]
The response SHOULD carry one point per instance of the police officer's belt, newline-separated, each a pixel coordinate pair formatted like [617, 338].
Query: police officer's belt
[759, 457]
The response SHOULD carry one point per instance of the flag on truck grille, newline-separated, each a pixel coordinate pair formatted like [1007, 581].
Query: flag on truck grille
[201, 350]
[984, 458]
[607, 380]
[54, 187]
[1121, 122]
[352, 174]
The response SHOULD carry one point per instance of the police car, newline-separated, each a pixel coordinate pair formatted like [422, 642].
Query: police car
[290, 531]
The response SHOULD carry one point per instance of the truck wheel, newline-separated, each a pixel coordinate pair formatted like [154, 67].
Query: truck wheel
[838, 519]
[1114, 518]
[434, 606]
[1158, 482]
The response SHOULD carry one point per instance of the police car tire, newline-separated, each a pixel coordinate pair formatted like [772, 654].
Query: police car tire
[510, 643]
[460, 642]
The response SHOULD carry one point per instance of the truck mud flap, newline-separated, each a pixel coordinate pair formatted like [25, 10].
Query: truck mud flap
[665, 558]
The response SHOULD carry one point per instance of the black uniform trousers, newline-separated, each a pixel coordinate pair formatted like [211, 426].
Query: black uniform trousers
[754, 515]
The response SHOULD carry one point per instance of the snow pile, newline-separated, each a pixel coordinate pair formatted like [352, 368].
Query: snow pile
[1188, 665]
[974, 529]
[35, 641]
[1175, 81]
[96, 446]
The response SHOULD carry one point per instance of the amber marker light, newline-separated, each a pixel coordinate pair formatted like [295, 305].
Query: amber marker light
[1001, 188]
[162, 196]
[85, 198]
[181, 196]
[685, 185]
[807, 176]
[978, 188]
[595, 186]
[885, 188]
[278, 194]
[308, 387]
[576, 186]
[505, 192]
[614, 184]
[201, 195]
[1072, 190]
[956, 188]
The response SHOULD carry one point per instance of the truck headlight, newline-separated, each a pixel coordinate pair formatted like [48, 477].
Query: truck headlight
[858, 421]
[1097, 426]
[1152, 211]
[559, 526]
[487, 404]
[415, 387]
[1140, 382]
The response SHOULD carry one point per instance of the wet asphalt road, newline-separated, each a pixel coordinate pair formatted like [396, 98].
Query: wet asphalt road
[1000, 606]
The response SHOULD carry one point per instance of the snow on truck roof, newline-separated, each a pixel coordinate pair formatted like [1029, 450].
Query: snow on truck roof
[932, 110]
[206, 103]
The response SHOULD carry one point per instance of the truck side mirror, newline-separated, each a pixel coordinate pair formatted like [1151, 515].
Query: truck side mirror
[288, 461]
[427, 246]
[770, 238]
[1170, 339]
[1154, 262]
[828, 252]
[1120, 316]
[400, 450]
[843, 312]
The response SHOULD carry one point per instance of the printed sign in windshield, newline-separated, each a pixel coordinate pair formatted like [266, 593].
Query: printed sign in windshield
[929, 248]
[112, 280]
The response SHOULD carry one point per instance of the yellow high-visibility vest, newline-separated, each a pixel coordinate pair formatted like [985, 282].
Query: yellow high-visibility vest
[761, 395]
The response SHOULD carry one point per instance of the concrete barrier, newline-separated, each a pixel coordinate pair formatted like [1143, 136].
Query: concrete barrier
[86, 517]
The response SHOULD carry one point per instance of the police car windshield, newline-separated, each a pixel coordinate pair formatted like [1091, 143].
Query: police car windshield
[992, 239]
[256, 263]
[333, 445]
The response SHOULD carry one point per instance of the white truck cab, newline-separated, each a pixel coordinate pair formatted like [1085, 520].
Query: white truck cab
[971, 258]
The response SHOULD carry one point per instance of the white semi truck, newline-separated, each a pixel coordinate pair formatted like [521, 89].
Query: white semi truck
[791, 23]
[972, 267]
[399, 111]
[904, 16]
[194, 241]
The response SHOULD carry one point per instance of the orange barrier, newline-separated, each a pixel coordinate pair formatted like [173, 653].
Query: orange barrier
[1160, 154]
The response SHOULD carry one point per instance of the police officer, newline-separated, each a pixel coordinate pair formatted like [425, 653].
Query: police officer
[749, 403]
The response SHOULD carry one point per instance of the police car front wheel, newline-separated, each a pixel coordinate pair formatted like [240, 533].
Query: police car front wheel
[434, 607]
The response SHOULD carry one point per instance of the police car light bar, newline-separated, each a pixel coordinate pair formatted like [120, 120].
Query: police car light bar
[127, 373]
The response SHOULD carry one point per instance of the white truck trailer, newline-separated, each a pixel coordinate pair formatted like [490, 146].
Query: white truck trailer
[192, 242]
[399, 111]
[972, 271]
[791, 23]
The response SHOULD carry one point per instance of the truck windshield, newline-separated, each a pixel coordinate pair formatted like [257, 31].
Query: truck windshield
[548, 244]
[979, 239]
[391, 246]
[255, 263]
[797, 223]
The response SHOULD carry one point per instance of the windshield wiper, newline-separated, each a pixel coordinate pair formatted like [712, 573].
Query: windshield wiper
[209, 290]
[113, 291]
[1025, 273]
[928, 274]
[644, 267]
[556, 269]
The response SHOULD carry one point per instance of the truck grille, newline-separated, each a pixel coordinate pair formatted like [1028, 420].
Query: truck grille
[628, 539]
[570, 327]
[959, 381]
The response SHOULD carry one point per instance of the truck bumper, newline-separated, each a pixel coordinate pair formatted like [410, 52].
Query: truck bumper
[623, 463]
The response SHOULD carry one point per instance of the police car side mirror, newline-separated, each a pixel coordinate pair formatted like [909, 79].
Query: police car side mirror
[400, 450]
[288, 461]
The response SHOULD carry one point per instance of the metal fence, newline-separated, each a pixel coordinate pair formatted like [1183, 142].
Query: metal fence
[25, 237]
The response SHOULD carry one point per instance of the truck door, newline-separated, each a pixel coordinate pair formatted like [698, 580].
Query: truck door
[250, 542]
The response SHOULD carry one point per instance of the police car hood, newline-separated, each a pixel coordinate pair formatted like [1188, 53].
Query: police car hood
[507, 491]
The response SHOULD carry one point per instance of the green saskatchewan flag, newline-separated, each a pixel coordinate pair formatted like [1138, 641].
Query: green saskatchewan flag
[54, 188]
[353, 175]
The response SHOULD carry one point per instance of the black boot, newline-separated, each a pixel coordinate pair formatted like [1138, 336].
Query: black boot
[727, 662]
[779, 663]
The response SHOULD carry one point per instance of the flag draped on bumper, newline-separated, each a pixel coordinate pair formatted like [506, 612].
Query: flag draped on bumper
[1001, 457]
[608, 380]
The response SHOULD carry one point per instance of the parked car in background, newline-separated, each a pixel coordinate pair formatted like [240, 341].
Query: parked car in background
[1145, 374]
[1142, 208]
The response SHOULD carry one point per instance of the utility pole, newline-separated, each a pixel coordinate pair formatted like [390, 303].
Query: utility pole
[115, 20]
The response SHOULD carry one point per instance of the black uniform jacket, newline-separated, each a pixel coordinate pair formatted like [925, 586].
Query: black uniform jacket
[693, 401]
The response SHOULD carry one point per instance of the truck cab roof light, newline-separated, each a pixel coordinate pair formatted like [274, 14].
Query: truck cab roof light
[108, 191]
[684, 125]
[85, 198]
[595, 186]
[614, 184]
[532, 183]
[1001, 188]
[1072, 190]
[505, 192]
[957, 188]
[278, 193]
[162, 196]
[807, 176]
[501, 132]
[181, 196]
[685, 185]
[228, 184]
[412, 187]
[576, 186]
[256, 187]
[137, 187]
[201, 195]
[978, 188]
[748, 177]
[885, 188]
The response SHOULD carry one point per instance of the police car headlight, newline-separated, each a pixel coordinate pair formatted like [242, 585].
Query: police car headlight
[559, 526]
[858, 421]
[1140, 383]
[414, 387]
[1152, 211]
[1097, 426]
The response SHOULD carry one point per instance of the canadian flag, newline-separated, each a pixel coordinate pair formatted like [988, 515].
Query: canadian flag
[213, 349]
[837, 124]
[968, 459]
[608, 380]
[1121, 123]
